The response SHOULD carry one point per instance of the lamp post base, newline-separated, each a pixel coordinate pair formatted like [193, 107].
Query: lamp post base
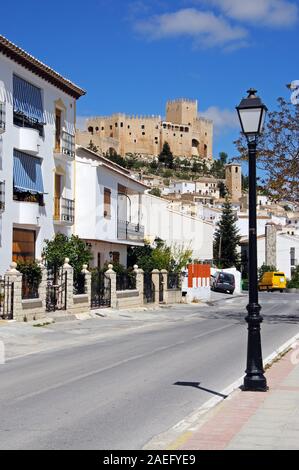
[255, 383]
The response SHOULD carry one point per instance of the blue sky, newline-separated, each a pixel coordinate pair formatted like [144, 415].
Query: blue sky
[131, 56]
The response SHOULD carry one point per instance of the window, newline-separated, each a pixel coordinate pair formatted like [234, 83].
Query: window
[27, 104]
[110, 127]
[121, 124]
[143, 133]
[90, 129]
[115, 257]
[102, 128]
[57, 129]
[116, 124]
[142, 126]
[292, 256]
[128, 126]
[236, 169]
[107, 203]
[27, 178]
[130, 133]
[97, 129]
[99, 260]
[23, 245]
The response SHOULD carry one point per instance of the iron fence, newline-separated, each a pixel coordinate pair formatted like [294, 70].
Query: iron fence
[79, 283]
[126, 281]
[6, 299]
[173, 281]
[30, 287]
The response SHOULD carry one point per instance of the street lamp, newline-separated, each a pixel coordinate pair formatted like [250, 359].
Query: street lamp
[252, 113]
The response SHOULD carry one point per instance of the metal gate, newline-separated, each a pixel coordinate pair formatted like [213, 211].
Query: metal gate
[100, 289]
[161, 287]
[148, 289]
[6, 299]
[56, 292]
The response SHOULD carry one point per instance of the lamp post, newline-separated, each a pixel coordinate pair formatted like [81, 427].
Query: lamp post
[252, 112]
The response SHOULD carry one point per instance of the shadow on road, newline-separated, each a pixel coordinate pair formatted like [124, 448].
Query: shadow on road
[196, 385]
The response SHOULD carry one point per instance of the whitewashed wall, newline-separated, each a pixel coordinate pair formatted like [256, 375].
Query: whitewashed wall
[30, 215]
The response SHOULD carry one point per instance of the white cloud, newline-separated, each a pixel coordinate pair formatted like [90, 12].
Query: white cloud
[224, 119]
[205, 28]
[277, 13]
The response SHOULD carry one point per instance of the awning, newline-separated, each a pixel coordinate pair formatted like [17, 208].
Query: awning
[27, 99]
[27, 173]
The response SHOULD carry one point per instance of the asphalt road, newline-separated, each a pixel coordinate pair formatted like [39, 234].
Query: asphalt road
[118, 392]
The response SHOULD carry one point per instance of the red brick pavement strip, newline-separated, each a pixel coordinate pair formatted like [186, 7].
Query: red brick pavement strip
[233, 413]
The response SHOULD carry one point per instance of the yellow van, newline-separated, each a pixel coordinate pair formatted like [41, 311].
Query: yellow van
[272, 281]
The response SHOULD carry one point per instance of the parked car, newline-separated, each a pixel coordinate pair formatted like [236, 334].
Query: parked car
[272, 281]
[223, 282]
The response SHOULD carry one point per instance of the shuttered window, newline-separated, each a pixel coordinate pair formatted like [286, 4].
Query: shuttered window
[107, 202]
[23, 245]
[27, 100]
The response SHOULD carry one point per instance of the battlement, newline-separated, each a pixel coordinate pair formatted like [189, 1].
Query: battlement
[124, 117]
[181, 100]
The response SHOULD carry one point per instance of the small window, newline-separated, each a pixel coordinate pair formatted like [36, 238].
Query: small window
[107, 203]
[173, 135]
[130, 133]
[111, 126]
[143, 133]
[116, 124]
[97, 128]
[142, 126]
[121, 124]
[236, 169]
[115, 257]
[128, 126]
[102, 128]
[135, 141]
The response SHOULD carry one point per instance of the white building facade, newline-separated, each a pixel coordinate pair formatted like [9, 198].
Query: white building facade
[176, 228]
[37, 128]
[108, 211]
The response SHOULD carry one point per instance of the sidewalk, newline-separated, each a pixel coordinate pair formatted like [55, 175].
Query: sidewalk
[253, 420]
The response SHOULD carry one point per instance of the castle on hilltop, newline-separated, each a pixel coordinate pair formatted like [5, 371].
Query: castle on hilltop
[187, 134]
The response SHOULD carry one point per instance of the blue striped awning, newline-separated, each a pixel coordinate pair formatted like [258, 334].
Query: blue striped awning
[27, 173]
[27, 99]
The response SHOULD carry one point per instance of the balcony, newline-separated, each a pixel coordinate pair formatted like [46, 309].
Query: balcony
[128, 231]
[2, 196]
[2, 117]
[65, 145]
[64, 210]
[29, 140]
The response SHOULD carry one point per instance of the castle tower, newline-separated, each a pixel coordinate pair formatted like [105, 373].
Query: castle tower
[181, 111]
[233, 180]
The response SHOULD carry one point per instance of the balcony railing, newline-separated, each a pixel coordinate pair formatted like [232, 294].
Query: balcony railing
[2, 196]
[2, 117]
[64, 210]
[128, 231]
[21, 120]
[67, 144]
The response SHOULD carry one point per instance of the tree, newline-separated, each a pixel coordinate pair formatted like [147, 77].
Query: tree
[172, 258]
[91, 146]
[155, 192]
[245, 182]
[278, 152]
[226, 239]
[294, 282]
[265, 269]
[223, 157]
[115, 158]
[222, 189]
[61, 247]
[166, 156]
